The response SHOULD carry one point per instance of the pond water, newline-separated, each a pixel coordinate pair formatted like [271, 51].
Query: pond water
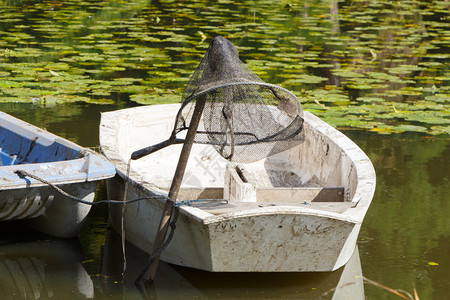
[377, 66]
[405, 238]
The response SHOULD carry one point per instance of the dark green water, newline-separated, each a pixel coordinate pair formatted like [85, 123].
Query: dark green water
[405, 238]
[379, 66]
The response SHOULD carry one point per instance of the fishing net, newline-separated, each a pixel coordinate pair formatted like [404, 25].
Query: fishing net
[244, 118]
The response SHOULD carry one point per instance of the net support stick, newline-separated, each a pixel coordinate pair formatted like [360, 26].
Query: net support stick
[176, 183]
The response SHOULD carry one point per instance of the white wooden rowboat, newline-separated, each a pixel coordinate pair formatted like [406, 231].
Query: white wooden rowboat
[299, 210]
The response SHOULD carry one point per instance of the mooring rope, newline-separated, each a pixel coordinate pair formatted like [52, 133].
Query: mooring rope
[23, 173]
[122, 223]
[161, 249]
[172, 224]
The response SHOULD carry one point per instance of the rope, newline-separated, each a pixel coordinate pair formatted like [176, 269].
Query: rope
[172, 224]
[161, 249]
[23, 173]
[177, 204]
[122, 223]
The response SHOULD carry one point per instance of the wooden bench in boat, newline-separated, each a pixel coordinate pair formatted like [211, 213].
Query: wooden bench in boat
[221, 207]
[244, 189]
[242, 185]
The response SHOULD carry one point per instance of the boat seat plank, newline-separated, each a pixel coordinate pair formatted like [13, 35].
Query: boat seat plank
[278, 195]
[313, 194]
[261, 185]
[220, 207]
[193, 193]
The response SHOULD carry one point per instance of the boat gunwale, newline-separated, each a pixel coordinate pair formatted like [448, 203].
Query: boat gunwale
[10, 180]
[365, 187]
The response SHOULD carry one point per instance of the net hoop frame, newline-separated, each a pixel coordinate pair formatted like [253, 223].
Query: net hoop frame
[215, 87]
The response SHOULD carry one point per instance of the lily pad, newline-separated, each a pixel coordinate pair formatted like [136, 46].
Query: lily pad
[304, 78]
[378, 68]
[406, 127]
[155, 98]
[370, 99]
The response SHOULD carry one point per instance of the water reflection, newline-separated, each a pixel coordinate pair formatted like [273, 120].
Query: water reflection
[175, 282]
[405, 228]
[408, 226]
[38, 267]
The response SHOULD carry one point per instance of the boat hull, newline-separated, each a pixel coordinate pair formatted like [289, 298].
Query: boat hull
[48, 211]
[50, 160]
[270, 240]
[45, 268]
[173, 281]
[261, 237]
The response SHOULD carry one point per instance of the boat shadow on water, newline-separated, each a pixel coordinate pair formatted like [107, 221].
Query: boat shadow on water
[177, 282]
[36, 266]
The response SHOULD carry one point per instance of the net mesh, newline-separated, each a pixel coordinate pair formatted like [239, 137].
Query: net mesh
[244, 118]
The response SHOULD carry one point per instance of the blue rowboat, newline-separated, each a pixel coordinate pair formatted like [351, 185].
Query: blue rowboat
[53, 160]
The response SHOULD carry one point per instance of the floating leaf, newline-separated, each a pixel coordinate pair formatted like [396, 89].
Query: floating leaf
[347, 73]
[367, 86]
[382, 69]
[370, 99]
[403, 128]
[441, 98]
[152, 98]
[404, 69]
[435, 130]
[304, 78]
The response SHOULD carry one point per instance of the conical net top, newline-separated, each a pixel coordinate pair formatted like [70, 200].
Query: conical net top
[244, 118]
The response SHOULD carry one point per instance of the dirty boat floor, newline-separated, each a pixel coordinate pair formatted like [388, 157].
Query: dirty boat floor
[211, 199]
[222, 207]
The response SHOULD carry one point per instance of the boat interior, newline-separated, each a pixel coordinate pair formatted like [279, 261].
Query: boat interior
[314, 174]
[7, 159]
[251, 186]
[21, 143]
[218, 186]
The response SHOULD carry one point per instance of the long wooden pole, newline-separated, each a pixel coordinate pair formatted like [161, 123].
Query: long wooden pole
[176, 183]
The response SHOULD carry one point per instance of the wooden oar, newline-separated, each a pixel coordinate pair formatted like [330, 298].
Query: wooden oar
[176, 183]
